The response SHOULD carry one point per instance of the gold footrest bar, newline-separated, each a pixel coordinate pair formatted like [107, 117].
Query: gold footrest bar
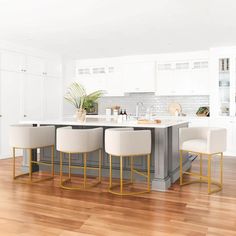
[195, 174]
[128, 193]
[205, 182]
[140, 173]
[64, 182]
[41, 163]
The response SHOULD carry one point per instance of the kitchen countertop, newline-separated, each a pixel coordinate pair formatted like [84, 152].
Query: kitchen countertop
[107, 121]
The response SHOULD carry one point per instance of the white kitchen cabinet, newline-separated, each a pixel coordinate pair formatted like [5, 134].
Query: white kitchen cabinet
[32, 97]
[182, 78]
[53, 68]
[52, 97]
[12, 61]
[35, 65]
[10, 104]
[104, 76]
[139, 77]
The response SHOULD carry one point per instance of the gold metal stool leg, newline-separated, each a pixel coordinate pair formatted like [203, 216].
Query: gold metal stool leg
[209, 174]
[14, 163]
[121, 174]
[69, 166]
[61, 168]
[131, 168]
[100, 166]
[181, 167]
[85, 169]
[110, 180]
[52, 159]
[200, 166]
[148, 170]
[30, 165]
[221, 169]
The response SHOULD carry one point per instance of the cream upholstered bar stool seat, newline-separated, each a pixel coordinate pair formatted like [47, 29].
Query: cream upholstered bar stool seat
[79, 141]
[27, 137]
[127, 142]
[203, 141]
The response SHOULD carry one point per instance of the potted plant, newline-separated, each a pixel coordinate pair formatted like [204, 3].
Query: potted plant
[77, 96]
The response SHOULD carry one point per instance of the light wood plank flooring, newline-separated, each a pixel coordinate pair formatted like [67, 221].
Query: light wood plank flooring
[46, 209]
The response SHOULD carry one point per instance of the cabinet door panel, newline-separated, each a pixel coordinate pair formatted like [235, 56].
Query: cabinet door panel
[139, 77]
[35, 65]
[33, 90]
[11, 61]
[53, 68]
[52, 97]
[10, 107]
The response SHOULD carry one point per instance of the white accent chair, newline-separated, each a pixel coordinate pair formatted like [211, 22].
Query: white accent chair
[203, 141]
[27, 137]
[78, 141]
[127, 142]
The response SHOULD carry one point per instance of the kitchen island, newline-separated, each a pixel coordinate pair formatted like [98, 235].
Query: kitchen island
[164, 157]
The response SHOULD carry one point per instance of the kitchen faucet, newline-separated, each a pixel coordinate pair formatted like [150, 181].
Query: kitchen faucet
[137, 108]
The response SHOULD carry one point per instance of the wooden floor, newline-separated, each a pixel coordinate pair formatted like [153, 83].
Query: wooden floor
[46, 209]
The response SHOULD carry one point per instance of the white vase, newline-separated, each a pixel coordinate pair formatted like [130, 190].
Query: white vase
[80, 115]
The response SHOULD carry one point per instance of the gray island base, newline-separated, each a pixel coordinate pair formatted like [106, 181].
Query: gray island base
[164, 157]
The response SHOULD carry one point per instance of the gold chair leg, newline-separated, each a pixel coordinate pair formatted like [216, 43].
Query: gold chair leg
[14, 163]
[85, 169]
[121, 174]
[110, 160]
[69, 166]
[100, 166]
[52, 159]
[30, 165]
[221, 169]
[61, 168]
[181, 167]
[131, 168]
[209, 174]
[148, 170]
[200, 166]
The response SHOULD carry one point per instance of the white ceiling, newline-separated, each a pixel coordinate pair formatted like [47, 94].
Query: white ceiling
[100, 28]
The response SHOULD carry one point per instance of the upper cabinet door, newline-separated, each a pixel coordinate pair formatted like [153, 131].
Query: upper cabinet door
[200, 77]
[53, 68]
[35, 65]
[139, 77]
[12, 61]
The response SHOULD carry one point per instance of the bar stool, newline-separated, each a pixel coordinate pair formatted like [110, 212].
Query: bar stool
[126, 142]
[79, 141]
[203, 141]
[27, 137]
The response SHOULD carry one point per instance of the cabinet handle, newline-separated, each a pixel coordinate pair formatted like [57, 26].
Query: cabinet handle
[25, 115]
[0, 115]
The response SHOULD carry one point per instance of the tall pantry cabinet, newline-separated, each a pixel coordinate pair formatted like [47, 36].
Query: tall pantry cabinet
[30, 89]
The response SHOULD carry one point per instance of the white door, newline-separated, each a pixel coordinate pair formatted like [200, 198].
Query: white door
[200, 78]
[12, 61]
[53, 68]
[32, 97]
[10, 107]
[35, 65]
[140, 77]
[165, 79]
[52, 96]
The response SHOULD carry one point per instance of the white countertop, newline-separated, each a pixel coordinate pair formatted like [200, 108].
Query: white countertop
[101, 121]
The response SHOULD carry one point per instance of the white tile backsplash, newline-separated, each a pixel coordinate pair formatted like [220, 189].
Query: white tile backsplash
[157, 104]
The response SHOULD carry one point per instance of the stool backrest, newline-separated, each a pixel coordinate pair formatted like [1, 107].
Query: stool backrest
[25, 136]
[79, 140]
[127, 142]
